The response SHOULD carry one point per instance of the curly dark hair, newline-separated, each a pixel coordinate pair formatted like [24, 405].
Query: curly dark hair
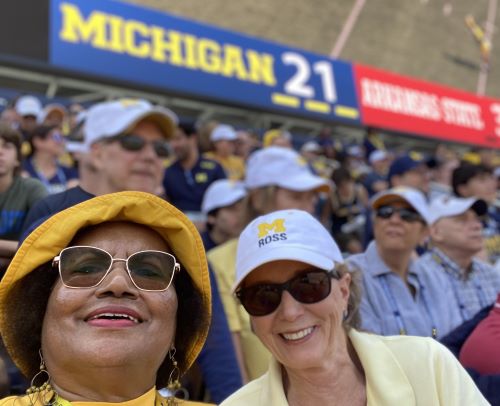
[27, 303]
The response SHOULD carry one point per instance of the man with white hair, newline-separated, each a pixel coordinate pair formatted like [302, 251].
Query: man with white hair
[456, 238]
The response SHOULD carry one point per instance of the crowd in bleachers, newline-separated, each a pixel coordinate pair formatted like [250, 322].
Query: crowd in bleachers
[423, 231]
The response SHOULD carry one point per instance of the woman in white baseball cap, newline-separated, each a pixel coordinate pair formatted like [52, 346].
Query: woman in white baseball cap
[276, 178]
[303, 306]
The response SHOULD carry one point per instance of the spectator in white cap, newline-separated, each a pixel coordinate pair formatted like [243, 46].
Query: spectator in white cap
[125, 142]
[29, 108]
[277, 178]
[224, 207]
[376, 180]
[303, 305]
[312, 152]
[223, 140]
[456, 239]
[399, 296]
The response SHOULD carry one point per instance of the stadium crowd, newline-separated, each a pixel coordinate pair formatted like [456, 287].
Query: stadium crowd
[422, 231]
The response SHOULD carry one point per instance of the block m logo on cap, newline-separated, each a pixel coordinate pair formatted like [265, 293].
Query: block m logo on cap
[278, 226]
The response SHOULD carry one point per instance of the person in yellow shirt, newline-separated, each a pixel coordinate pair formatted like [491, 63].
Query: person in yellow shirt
[304, 303]
[223, 139]
[107, 302]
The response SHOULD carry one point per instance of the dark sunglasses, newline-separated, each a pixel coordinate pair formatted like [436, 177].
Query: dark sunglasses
[311, 286]
[86, 267]
[132, 142]
[406, 214]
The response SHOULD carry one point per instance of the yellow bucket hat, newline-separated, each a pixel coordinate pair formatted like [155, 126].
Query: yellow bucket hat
[48, 239]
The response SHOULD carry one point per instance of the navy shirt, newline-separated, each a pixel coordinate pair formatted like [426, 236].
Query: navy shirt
[58, 182]
[208, 243]
[52, 204]
[185, 188]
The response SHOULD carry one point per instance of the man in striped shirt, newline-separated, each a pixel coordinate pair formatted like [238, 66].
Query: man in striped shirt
[456, 238]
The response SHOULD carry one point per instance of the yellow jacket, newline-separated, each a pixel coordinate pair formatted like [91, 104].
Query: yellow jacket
[399, 370]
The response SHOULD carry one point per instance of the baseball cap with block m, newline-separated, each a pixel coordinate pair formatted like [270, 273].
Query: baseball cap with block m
[285, 235]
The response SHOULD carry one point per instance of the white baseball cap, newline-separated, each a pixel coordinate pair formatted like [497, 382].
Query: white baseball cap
[28, 106]
[415, 198]
[223, 132]
[283, 167]
[111, 118]
[377, 155]
[222, 193]
[449, 206]
[311, 146]
[281, 235]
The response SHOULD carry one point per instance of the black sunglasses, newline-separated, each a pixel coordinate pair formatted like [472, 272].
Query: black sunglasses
[310, 286]
[406, 214]
[132, 142]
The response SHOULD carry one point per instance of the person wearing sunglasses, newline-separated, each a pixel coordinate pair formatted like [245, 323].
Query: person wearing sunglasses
[399, 296]
[107, 301]
[277, 178]
[47, 145]
[303, 305]
[123, 148]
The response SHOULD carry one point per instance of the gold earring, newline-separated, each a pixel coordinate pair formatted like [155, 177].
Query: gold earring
[40, 384]
[174, 385]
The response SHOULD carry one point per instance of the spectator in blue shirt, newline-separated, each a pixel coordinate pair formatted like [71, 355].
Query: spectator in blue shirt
[189, 176]
[376, 180]
[456, 239]
[47, 146]
[399, 296]
[409, 170]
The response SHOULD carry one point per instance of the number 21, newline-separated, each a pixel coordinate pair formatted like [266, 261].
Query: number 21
[297, 84]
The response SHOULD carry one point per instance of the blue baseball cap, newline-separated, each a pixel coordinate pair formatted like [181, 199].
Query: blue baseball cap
[405, 164]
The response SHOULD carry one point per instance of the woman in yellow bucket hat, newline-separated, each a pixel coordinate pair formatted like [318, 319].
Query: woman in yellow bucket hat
[105, 303]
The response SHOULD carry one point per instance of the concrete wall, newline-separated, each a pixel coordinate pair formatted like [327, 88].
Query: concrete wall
[411, 37]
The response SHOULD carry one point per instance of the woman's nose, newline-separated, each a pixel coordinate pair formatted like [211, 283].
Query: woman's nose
[290, 309]
[117, 283]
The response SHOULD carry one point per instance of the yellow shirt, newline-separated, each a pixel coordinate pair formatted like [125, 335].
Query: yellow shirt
[399, 370]
[233, 165]
[152, 397]
[223, 261]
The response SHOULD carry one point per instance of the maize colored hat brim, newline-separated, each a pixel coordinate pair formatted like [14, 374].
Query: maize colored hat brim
[47, 240]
